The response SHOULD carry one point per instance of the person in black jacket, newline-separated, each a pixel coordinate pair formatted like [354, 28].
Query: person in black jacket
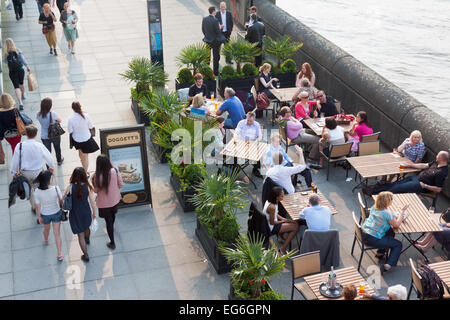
[253, 10]
[213, 36]
[225, 21]
[255, 33]
[18, 9]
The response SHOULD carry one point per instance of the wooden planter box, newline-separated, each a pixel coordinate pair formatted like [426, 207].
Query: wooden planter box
[139, 114]
[210, 84]
[211, 248]
[183, 196]
[232, 296]
[244, 84]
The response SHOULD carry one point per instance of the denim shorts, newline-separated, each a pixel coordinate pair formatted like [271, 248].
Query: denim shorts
[56, 217]
[276, 229]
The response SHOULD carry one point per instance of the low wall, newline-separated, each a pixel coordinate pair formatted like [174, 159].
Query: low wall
[390, 109]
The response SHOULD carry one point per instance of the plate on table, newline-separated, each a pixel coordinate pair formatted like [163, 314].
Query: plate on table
[330, 293]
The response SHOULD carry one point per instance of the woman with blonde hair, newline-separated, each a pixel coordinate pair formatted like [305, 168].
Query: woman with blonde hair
[265, 80]
[199, 103]
[8, 128]
[377, 229]
[306, 72]
[47, 19]
[16, 65]
[413, 148]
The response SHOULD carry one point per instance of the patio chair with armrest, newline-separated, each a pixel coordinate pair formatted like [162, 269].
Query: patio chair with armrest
[304, 265]
[371, 137]
[338, 153]
[363, 216]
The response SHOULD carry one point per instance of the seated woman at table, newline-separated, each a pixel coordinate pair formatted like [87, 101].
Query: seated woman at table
[199, 103]
[359, 129]
[307, 73]
[265, 80]
[305, 108]
[413, 148]
[278, 224]
[331, 134]
[431, 239]
[378, 232]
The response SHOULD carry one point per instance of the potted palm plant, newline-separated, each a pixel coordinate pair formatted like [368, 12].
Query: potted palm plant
[252, 268]
[217, 198]
[146, 75]
[282, 48]
[239, 51]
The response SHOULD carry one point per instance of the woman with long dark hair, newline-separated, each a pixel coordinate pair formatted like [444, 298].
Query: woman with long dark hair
[359, 129]
[80, 215]
[45, 116]
[48, 208]
[107, 183]
[79, 127]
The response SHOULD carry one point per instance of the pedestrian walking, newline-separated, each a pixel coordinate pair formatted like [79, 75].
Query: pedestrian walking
[81, 216]
[28, 160]
[107, 183]
[60, 4]
[47, 19]
[46, 117]
[82, 130]
[40, 4]
[16, 65]
[8, 127]
[69, 20]
[18, 10]
[48, 209]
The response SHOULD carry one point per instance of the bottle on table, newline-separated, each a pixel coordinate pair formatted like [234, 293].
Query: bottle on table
[331, 279]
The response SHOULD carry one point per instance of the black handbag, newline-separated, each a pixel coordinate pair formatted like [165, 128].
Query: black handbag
[54, 129]
[445, 216]
[63, 212]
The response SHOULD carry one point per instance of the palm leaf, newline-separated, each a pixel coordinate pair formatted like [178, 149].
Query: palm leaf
[194, 56]
[239, 51]
[282, 48]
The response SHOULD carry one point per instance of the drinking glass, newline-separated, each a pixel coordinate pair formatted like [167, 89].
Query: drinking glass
[431, 210]
[278, 84]
[212, 95]
[361, 288]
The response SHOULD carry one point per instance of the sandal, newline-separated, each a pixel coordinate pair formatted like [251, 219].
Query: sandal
[60, 258]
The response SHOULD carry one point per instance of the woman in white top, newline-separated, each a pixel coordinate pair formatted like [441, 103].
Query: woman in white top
[278, 224]
[331, 134]
[48, 201]
[79, 127]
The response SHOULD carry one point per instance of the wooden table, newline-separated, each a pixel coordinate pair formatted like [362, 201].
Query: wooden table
[317, 124]
[419, 219]
[345, 277]
[249, 151]
[284, 94]
[443, 271]
[295, 202]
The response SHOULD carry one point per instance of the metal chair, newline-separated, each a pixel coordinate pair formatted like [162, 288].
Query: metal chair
[358, 237]
[363, 216]
[416, 283]
[304, 265]
[338, 153]
[371, 137]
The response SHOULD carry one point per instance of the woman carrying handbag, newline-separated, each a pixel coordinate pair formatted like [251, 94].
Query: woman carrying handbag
[49, 119]
[8, 125]
[47, 19]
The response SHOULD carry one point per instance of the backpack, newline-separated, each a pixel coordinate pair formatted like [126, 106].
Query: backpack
[14, 63]
[432, 287]
[247, 100]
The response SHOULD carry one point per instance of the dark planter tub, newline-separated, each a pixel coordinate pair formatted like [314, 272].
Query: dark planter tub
[287, 80]
[210, 84]
[211, 248]
[244, 84]
[183, 196]
[139, 115]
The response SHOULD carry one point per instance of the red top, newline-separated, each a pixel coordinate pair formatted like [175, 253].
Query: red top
[363, 130]
[300, 111]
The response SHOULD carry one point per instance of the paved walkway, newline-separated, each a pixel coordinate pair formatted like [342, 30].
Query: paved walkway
[157, 255]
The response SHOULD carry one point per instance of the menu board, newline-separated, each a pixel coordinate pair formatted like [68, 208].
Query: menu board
[127, 150]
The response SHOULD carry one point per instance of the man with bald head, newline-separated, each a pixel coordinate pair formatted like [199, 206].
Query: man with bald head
[431, 178]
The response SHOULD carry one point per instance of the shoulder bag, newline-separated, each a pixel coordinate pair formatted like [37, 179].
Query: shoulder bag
[63, 212]
[19, 123]
[445, 216]
[67, 205]
[54, 129]
[92, 130]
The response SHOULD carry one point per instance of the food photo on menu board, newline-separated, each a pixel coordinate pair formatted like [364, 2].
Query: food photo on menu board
[129, 164]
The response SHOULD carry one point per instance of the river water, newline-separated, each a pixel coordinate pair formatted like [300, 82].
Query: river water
[405, 41]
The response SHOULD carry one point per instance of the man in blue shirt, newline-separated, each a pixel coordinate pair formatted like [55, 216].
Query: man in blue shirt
[317, 217]
[234, 108]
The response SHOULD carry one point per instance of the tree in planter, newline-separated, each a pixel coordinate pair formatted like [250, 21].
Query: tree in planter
[228, 73]
[208, 73]
[289, 66]
[185, 76]
[240, 51]
[217, 198]
[282, 48]
[189, 174]
[161, 106]
[194, 56]
[253, 266]
[249, 70]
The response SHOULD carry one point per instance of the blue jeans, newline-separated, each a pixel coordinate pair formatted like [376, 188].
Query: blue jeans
[407, 185]
[387, 241]
[56, 144]
[229, 124]
[39, 7]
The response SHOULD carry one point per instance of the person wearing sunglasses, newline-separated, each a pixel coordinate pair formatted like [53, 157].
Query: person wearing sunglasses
[326, 105]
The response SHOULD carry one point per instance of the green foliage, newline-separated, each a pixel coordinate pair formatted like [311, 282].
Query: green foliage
[188, 174]
[228, 228]
[208, 73]
[289, 66]
[253, 265]
[249, 70]
[145, 74]
[227, 73]
[185, 76]
[217, 197]
[282, 48]
[271, 295]
[239, 51]
[161, 105]
[194, 56]
[276, 70]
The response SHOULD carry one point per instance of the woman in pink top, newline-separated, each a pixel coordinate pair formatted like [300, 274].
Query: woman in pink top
[359, 129]
[305, 107]
[107, 183]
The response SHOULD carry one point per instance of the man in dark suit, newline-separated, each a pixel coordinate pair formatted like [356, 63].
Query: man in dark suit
[255, 33]
[225, 20]
[253, 10]
[213, 36]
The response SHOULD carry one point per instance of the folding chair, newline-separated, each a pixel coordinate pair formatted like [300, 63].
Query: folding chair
[304, 265]
[362, 218]
[338, 153]
[358, 236]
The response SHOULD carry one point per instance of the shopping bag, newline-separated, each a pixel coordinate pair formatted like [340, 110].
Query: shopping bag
[9, 5]
[94, 226]
[32, 82]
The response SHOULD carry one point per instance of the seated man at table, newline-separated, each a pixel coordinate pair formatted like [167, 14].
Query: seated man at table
[249, 130]
[431, 178]
[281, 175]
[233, 106]
[317, 217]
[197, 87]
[287, 161]
[326, 105]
